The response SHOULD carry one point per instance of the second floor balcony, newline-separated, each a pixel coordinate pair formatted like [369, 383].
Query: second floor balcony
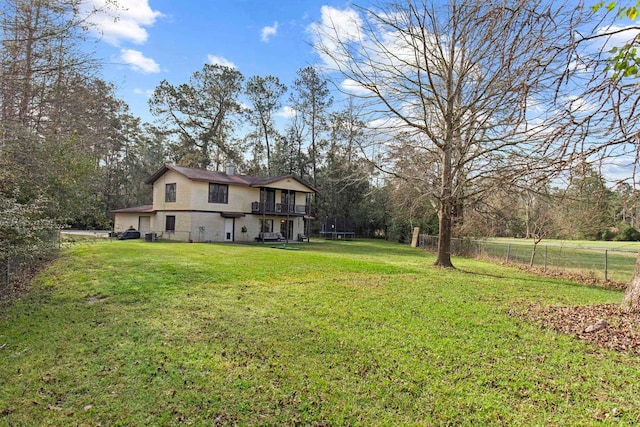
[279, 208]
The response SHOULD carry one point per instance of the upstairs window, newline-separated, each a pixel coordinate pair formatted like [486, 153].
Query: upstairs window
[170, 193]
[288, 198]
[218, 193]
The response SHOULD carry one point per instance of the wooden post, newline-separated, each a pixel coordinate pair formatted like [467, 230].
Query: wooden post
[414, 238]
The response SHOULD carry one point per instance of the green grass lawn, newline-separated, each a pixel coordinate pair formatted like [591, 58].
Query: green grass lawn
[337, 333]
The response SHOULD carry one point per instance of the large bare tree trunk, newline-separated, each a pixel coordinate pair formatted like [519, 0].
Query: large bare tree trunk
[444, 215]
[631, 300]
[444, 240]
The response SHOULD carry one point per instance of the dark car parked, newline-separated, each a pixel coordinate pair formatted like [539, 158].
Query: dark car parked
[129, 234]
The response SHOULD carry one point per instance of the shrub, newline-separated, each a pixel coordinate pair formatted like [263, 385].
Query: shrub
[609, 234]
[629, 234]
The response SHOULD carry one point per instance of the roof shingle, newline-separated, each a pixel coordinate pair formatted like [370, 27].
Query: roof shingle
[221, 177]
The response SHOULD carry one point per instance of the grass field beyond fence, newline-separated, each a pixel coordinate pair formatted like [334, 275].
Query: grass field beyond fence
[337, 333]
[613, 261]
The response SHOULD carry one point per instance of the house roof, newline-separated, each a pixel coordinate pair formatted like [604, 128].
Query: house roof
[136, 209]
[222, 178]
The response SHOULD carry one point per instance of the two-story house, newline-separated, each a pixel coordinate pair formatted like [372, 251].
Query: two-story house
[197, 205]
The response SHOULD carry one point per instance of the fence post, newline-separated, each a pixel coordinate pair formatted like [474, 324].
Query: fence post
[545, 258]
[508, 251]
[606, 264]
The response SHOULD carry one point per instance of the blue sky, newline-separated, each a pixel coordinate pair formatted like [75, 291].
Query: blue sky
[152, 40]
[142, 42]
[147, 41]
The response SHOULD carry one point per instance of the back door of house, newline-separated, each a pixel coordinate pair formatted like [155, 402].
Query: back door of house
[144, 224]
[286, 228]
[228, 229]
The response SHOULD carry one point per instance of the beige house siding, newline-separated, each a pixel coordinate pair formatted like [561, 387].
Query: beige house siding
[183, 225]
[125, 220]
[288, 184]
[197, 220]
[213, 225]
[239, 198]
[183, 192]
[188, 226]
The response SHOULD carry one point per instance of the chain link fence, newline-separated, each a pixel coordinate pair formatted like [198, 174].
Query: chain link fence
[19, 267]
[614, 264]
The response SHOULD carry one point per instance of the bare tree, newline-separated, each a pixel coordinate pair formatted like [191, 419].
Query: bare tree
[539, 220]
[603, 127]
[463, 80]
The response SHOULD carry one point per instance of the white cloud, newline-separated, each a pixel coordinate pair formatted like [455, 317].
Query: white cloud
[576, 104]
[347, 23]
[352, 87]
[268, 32]
[287, 112]
[125, 21]
[145, 92]
[615, 36]
[335, 24]
[620, 168]
[138, 62]
[219, 60]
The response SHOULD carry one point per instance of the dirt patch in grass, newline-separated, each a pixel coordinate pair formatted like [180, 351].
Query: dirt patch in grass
[603, 325]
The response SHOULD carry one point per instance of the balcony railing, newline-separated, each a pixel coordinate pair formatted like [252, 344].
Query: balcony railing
[279, 208]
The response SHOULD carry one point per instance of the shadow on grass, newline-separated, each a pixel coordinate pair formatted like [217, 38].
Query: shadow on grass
[373, 247]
